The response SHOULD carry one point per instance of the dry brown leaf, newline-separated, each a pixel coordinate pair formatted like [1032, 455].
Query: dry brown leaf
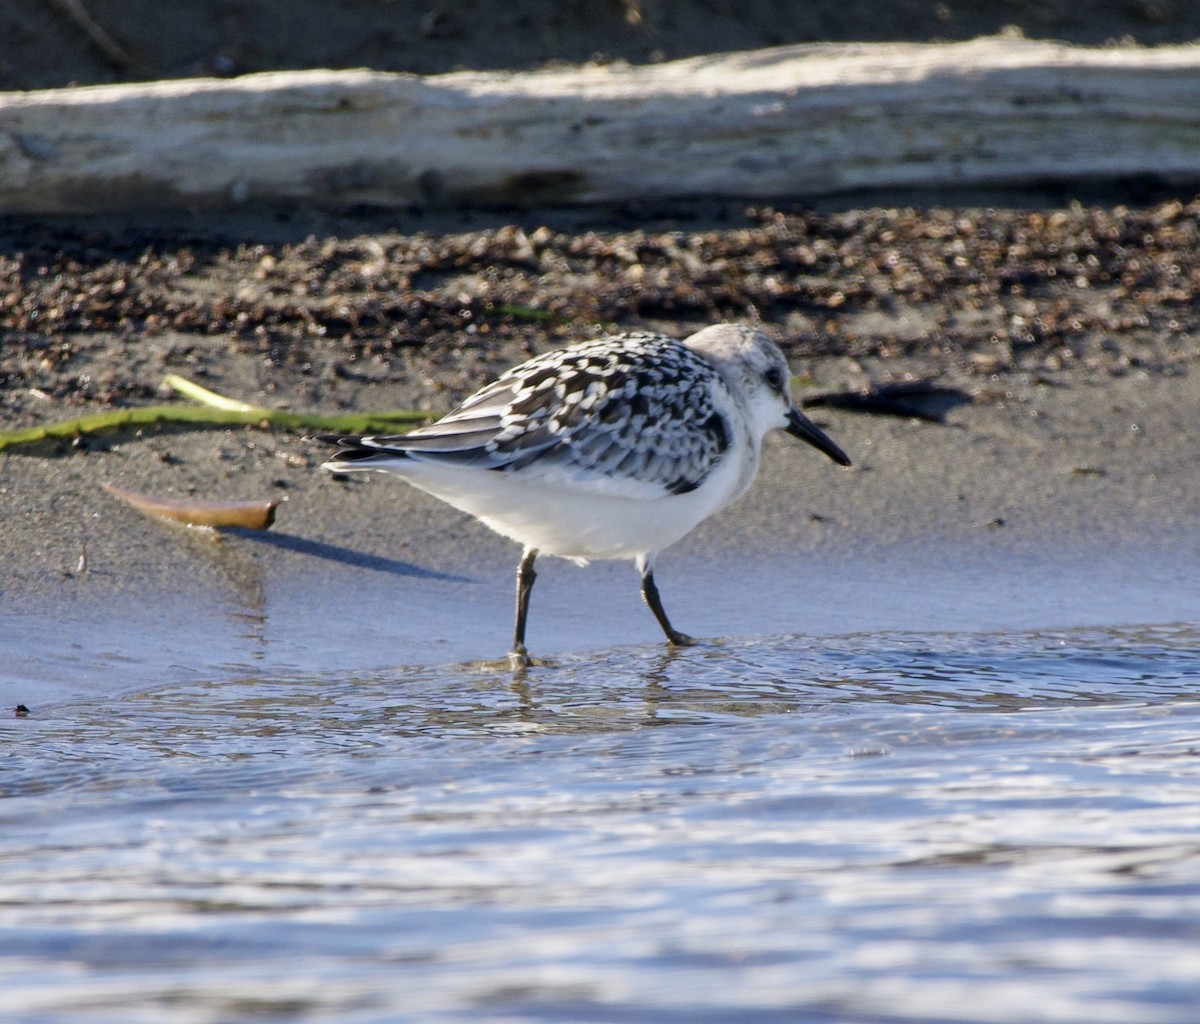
[249, 515]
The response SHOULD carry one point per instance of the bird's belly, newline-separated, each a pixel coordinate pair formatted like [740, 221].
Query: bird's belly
[590, 527]
[578, 524]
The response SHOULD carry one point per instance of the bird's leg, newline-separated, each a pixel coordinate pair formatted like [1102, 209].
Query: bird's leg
[525, 578]
[654, 603]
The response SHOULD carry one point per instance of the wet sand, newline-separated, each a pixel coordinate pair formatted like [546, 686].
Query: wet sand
[1065, 492]
[1035, 506]
[1100, 463]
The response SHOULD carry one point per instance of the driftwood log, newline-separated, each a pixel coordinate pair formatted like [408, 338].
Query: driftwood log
[794, 121]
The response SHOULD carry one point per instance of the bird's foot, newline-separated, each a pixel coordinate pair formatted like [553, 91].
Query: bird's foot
[677, 639]
[516, 661]
[520, 659]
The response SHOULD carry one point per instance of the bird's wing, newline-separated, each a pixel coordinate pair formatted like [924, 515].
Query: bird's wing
[636, 408]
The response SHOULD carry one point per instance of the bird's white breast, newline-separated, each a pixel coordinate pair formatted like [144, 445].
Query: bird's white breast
[580, 519]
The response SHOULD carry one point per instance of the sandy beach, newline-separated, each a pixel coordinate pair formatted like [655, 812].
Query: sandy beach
[1077, 396]
[1066, 320]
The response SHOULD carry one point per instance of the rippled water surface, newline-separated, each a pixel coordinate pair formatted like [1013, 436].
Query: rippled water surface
[893, 827]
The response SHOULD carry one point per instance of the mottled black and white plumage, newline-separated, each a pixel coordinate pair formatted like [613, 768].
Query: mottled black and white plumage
[638, 408]
[611, 448]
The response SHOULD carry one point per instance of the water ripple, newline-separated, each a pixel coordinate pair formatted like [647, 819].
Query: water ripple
[887, 827]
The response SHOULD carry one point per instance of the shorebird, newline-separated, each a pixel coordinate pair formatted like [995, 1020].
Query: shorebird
[609, 449]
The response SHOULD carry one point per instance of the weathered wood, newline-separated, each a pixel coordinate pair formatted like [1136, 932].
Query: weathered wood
[795, 121]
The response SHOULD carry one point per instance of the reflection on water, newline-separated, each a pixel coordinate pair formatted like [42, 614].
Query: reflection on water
[888, 827]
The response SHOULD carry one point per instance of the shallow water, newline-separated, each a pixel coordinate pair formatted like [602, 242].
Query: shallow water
[897, 826]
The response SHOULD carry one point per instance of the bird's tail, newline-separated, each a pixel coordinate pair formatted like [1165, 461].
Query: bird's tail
[359, 454]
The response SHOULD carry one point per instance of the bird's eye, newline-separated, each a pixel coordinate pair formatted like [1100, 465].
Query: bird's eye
[774, 378]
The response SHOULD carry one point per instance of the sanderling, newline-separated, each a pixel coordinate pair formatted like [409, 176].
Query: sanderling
[611, 448]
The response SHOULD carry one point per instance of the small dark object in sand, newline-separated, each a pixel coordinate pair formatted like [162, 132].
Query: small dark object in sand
[920, 399]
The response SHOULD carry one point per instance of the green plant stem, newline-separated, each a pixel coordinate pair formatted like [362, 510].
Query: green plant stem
[217, 412]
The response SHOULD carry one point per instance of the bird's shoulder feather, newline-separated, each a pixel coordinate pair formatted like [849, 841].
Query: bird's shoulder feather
[638, 407]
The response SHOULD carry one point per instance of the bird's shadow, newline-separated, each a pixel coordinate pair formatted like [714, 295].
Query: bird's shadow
[347, 556]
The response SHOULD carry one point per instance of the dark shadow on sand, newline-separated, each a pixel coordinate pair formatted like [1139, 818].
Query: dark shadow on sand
[347, 556]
